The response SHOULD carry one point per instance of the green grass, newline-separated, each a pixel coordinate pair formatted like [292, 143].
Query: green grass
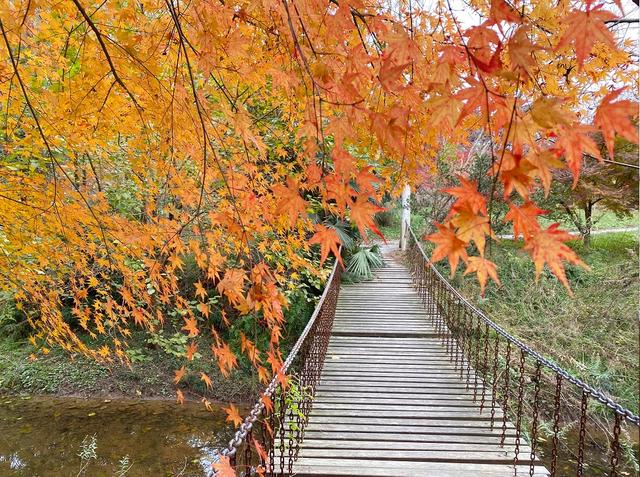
[605, 220]
[391, 227]
[595, 333]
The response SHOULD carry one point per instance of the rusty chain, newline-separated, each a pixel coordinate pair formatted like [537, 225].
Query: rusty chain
[314, 335]
[626, 414]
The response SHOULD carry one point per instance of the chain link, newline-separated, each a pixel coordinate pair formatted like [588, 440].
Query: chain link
[615, 447]
[556, 426]
[534, 421]
[581, 434]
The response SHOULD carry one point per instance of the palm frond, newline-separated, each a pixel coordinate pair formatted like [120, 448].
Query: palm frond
[363, 261]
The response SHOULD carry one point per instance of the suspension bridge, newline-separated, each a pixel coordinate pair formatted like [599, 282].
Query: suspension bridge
[401, 376]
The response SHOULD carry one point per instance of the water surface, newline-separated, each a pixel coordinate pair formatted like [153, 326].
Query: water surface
[42, 437]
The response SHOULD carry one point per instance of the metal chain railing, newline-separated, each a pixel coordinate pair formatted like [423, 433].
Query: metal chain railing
[558, 414]
[268, 441]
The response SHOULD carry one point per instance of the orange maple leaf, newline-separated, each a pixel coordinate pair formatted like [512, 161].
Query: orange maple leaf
[340, 190]
[362, 212]
[390, 72]
[223, 467]
[262, 453]
[233, 415]
[268, 404]
[521, 51]
[191, 350]
[366, 180]
[547, 246]
[250, 349]
[179, 375]
[472, 227]
[179, 396]
[449, 246]
[204, 309]
[468, 196]
[484, 269]
[206, 379]
[585, 29]
[574, 142]
[328, 240]
[548, 112]
[475, 96]
[615, 117]
[290, 202]
[226, 359]
[200, 291]
[263, 374]
[515, 172]
[191, 325]
[524, 218]
[543, 161]
[502, 11]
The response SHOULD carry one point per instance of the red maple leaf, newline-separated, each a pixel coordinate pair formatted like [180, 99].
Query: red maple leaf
[585, 29]
[548, 246]
[362, 212]
[615, 117]
[449, 246]
[328, 240]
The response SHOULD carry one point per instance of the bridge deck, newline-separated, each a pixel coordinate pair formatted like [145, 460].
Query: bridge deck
[390, 402]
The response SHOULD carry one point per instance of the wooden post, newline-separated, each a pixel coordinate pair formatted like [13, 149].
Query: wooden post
[406, 217]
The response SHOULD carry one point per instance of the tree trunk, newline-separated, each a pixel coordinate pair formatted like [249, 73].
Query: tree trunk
[588, 224]
[406, 217]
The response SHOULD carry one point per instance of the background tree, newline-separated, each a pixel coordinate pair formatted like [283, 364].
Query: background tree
[610, 187]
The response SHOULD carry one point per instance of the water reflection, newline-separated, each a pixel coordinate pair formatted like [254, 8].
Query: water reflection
[42, 437]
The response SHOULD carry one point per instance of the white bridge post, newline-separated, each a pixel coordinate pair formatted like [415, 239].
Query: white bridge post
[406, 217]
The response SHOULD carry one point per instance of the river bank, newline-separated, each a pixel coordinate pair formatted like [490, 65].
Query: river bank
[61, 374]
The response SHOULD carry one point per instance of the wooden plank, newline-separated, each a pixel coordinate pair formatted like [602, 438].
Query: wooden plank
[370, 468]
[372, 401]
[404, 438]
[416, 409]
[449, 422]
[494, 456]
[410, 445]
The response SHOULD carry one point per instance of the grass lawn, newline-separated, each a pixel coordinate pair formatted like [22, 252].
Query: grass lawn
[604, 220]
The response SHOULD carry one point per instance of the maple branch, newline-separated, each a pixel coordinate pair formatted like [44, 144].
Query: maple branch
[617, 163]
[103, 46]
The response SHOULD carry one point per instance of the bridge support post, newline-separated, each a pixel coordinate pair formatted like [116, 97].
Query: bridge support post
[406, 217]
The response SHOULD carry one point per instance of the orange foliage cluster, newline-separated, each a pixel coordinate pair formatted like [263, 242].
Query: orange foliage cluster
[234, 123]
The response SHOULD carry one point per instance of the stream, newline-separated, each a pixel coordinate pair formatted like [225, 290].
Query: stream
[43, 437]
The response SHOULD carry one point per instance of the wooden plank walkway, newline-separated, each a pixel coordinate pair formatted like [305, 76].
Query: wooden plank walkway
[390, 402]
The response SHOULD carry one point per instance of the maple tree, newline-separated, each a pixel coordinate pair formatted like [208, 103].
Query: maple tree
[140, 136]
[602, 187]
